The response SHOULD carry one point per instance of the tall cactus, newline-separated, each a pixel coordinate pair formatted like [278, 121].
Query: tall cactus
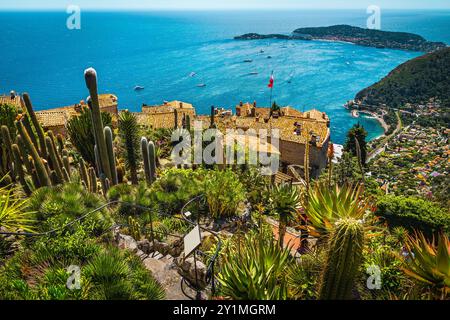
[55, 147]
[53, 158]
[92, 180]
[84, 174]
[146, 159]
[97, 123]
[27, 125]
[19, 169]
[343, 260]
[41, 171]
[152, 160]
[36, 125]
[6, 138]
[111, 156]
[23, 151]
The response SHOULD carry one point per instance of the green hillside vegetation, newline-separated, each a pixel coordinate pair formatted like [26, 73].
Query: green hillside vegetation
[415, 81]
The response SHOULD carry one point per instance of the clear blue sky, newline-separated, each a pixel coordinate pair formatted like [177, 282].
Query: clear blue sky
[224, 4]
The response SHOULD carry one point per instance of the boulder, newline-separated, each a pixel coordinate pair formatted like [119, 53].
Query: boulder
[186, 268]
[126, 242]
[146, 246]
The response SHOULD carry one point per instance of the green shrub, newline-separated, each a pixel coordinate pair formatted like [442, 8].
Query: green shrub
[413, 214]
[224, 193]
[175, 187]
[64, 203]
[116, 275]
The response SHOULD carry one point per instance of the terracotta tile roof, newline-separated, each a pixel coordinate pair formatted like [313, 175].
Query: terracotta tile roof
[168, 107]
[52, 118]
[157, 120]
[285, 124]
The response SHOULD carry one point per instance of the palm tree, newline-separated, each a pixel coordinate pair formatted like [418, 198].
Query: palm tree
[285, 201]
[129, 133]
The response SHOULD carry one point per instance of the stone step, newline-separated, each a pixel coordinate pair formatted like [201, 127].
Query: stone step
[167, 277]
[156, 255]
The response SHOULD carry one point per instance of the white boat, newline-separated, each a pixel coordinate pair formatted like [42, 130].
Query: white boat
[201, 85]
[192, 74]
[355, 114]
[139, 88]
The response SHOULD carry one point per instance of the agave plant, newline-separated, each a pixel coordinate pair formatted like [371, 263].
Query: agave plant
[429, 263]
[284, 201]
[256, 269]
[14, 213]
[328, 205]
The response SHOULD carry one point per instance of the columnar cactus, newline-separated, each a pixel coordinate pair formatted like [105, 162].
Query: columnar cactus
[145, 158]
[8, 157]
[111, 156]
[53, 158]
[152, 160]
[66, 164]
[19, 169]
[84, 174]
[92, 180]
[344, 258]
[120, 174]
[36, 124]
[23, 151]
[60, 140]
[27, 125]
[39, 166]
[134, 228]
[61, 148]
[97, 124]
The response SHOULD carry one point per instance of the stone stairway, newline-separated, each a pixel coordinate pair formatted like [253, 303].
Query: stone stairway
[162, 267]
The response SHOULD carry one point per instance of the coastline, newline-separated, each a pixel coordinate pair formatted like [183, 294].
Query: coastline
[379, 119]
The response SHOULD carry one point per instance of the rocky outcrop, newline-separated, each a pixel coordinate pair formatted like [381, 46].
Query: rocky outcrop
[356, 35]
[256, 36]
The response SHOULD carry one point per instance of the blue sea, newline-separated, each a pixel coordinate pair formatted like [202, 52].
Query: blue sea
[160, 50]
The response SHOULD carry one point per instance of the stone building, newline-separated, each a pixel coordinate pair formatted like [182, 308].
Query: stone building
[56, 119]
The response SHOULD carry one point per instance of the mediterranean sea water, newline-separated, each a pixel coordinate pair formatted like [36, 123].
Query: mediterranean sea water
[161, 51]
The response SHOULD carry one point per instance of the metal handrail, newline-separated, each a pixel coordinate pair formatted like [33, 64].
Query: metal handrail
[210, 279]
[210, 276]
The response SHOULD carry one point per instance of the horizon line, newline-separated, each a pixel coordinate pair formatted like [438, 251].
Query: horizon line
[162, 9]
